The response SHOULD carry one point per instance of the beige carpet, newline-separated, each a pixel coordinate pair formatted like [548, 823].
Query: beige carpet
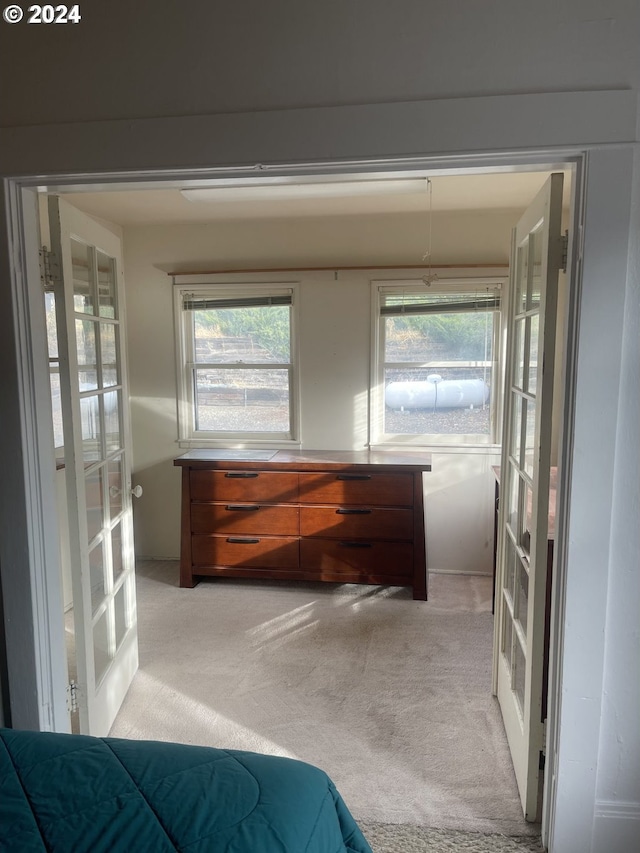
[390, 696]
[402, 838]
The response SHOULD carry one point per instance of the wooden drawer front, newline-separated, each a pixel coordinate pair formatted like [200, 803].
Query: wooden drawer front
[257, 519]
[387, 559]
[244, 486]
[261, 551]
[368, 489]
[356, 522]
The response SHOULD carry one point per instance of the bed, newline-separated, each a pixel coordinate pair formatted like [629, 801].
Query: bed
[73, 793]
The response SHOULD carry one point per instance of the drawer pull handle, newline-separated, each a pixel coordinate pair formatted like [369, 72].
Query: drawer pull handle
[242, 507]
[242, 540]
[241, 475]
[353, 477]
[356, 545]
[354, 511]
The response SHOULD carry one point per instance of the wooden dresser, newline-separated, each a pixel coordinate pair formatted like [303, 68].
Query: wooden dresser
[347, 517]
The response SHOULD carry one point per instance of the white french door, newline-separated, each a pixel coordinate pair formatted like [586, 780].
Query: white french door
[89, 317]
[524, 485]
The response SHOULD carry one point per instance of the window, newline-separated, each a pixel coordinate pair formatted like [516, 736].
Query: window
[436, 362]
[237, 366]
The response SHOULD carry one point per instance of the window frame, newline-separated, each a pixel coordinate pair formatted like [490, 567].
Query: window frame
[186, 365]
[380, 438]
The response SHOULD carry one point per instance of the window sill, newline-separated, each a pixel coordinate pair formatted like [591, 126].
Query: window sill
[474, 449]
[236, 444]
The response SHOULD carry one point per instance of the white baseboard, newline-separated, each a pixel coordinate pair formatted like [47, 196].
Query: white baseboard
[456, 572]
[159, 559]
[616, 827]
[431, 571]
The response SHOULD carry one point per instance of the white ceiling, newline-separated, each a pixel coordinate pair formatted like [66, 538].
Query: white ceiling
[507, 191]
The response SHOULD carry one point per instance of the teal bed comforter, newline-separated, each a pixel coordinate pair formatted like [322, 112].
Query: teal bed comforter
[72, 793]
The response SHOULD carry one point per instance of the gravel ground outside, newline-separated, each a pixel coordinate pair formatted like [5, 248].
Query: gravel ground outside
[414, 422]
[244, 419]
[449, 421]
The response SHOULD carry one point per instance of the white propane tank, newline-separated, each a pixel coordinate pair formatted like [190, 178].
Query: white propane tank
[444, 394]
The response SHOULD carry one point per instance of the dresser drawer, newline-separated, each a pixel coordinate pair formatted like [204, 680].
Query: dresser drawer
[247, 486]
[356, 522]
[346, 488]
[261, 551]
[390, 561]
[258, 519]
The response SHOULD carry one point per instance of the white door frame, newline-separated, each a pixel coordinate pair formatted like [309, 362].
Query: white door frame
[35, 648]
[34, 629]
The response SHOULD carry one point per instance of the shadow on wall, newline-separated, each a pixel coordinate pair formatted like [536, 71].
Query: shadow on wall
[459, 509]
[156, 515]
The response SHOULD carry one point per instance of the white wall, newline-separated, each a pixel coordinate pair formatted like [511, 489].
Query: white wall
[617, 813]
[335, 349]
[596, 767]
[177, 60]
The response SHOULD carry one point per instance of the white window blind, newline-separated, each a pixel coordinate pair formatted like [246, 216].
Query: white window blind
[394, 303]
[193, 302]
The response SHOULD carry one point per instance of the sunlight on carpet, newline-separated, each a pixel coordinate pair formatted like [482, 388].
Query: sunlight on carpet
[390, 696]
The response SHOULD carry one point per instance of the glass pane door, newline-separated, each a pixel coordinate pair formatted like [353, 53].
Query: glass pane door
[524, 485]
[517, 477]
[97, 462]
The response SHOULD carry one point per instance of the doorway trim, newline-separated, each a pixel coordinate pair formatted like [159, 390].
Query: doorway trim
[47, 644]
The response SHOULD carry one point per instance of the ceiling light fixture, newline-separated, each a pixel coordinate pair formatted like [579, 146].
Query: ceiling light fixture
[318, 190]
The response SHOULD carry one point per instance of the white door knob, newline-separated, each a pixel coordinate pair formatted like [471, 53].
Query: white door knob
[136, 491]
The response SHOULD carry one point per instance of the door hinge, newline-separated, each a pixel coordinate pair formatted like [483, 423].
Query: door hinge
[544, 737]
[72, 696]
[49, 268]
[564, 259]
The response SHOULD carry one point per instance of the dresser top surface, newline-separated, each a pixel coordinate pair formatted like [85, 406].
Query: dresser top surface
[304, 460]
